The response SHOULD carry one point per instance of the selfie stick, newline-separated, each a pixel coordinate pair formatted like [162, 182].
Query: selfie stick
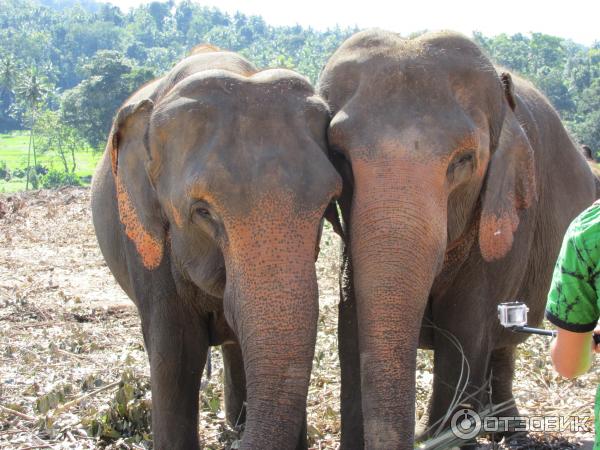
[513, 315]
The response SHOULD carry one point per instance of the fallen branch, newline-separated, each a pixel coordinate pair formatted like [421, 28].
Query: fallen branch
[71, 354]
[39, 324]
[17, 413]
[66, 406]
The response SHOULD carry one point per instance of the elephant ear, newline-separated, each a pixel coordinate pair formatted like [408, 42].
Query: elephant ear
[139, 210]
[510, 186]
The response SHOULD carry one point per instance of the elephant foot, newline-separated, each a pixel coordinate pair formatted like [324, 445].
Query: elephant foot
[511, 438]
[303, 437]
[510, 429]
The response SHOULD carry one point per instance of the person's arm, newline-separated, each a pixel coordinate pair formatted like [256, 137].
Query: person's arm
[572, 352]
[573, 301]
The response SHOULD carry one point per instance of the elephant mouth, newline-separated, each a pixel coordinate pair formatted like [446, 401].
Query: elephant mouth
[211, 282]
[216, 286]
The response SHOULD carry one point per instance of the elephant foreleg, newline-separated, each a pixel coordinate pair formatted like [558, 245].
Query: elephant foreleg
[177, 343]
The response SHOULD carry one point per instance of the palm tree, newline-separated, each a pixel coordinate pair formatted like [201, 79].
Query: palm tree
[32, 91]
[8, 73]
[8, 79]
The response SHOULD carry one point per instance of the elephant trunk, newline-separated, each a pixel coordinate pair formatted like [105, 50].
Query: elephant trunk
[271, 301]
[398, 240]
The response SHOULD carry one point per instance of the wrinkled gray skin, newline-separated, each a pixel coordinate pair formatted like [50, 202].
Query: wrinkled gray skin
[207, 207]
[458, 186]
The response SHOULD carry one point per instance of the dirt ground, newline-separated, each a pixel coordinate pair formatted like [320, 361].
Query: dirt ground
[74, 374]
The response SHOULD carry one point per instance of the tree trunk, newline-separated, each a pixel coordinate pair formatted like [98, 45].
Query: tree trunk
[29, 159]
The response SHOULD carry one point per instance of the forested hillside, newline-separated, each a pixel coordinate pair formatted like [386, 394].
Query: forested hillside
[80, 63]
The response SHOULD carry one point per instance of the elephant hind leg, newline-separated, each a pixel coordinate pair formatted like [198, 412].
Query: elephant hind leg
[352, 433]
[461, 363]
[502, 368]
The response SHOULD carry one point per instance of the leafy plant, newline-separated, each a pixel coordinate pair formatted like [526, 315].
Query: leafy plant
[53, 398]
[127, 416]
[33, 178]
[4, 172]
[59, 139]
[40, 170]
[19, 173]
[55, 179]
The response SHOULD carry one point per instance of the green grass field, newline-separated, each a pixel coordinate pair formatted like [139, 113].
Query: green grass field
[13, 151]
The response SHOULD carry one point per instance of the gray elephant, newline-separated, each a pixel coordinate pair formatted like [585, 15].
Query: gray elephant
[459, 183]
[207, 207]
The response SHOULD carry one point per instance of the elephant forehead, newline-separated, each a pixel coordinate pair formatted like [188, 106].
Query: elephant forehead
[246, 116]
[239, 184]
[414, 133]
[385, 67]
[247, 144]
[276, 88]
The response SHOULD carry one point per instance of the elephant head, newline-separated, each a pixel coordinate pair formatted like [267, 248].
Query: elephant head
[434, 162]
[225, 175]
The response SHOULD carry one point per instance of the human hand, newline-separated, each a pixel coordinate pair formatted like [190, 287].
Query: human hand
[596, 347]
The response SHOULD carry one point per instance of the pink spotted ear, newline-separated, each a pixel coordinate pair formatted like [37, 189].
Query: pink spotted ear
[139, 211]
[510, 187]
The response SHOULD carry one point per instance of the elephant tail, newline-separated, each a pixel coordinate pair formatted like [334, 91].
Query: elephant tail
[207, 369]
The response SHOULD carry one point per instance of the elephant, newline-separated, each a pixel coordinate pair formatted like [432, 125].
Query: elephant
[207, 205]
[459, 182]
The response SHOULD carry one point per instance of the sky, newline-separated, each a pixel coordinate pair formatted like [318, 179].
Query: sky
[573, 19]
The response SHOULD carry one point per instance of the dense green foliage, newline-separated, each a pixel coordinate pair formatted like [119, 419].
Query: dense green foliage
[94, 56]
[569, 75]
[59, 149]
[97, 56]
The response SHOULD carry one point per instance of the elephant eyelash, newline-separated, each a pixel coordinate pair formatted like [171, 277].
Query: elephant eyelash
[201, 211]
[464, 158]
[458, 163]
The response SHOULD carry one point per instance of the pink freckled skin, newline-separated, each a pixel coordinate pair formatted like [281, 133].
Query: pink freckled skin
[176, 215]
[496, 235]
[148, 247]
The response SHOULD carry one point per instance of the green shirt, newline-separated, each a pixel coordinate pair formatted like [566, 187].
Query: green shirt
[573, 300]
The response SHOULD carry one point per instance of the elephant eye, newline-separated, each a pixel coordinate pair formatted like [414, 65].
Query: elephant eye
[201, 212]
[463, 159]
[461, 168]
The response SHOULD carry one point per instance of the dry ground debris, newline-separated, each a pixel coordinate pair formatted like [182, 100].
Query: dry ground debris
[74, 374]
